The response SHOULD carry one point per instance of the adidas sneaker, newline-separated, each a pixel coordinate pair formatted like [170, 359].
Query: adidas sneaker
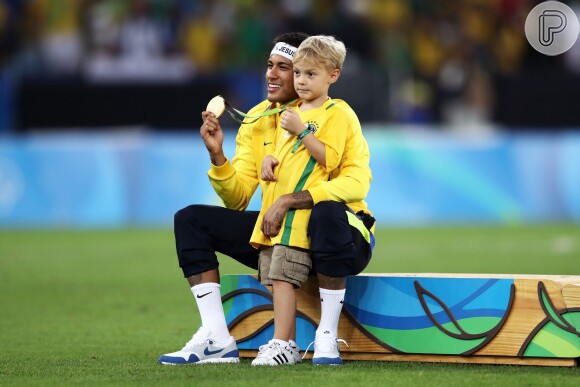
[203, 349]
[273, 354]
[295, 351]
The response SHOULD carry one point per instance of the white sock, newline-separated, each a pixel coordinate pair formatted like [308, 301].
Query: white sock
[330, 308]
[292, 343]
[211, 310]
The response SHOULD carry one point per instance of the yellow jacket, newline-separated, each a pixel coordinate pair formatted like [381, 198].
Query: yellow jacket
[235, 182]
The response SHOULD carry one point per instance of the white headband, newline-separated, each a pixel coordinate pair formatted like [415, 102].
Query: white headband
[284, 49]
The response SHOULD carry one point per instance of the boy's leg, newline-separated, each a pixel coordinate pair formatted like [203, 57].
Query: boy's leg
[292, 342]
[200, 231]
[289, 268]
[339, 248]
[284, 309]
[265, 264]
[285, 315]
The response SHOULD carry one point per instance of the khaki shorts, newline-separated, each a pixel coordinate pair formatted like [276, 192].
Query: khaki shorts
[284, 263]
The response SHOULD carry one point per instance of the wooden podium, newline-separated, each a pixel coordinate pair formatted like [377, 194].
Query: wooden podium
[459, 318]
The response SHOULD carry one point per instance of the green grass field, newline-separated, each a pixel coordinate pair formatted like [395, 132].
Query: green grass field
[98, 307]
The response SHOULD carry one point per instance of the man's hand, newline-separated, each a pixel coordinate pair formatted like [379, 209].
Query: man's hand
[290, 121]
[268, 165]
[213, 138]
[273, 218]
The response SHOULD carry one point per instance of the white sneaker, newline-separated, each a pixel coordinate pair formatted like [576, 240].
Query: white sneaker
[273, 354]
[295, 351]
[203, 349]
[326, 349]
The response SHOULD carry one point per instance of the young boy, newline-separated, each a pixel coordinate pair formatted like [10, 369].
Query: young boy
[309, 143]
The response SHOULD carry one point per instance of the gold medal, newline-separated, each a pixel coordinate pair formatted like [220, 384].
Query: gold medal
[217, 105]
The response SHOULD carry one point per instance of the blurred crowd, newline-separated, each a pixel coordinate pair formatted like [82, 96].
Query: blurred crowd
[430, 52]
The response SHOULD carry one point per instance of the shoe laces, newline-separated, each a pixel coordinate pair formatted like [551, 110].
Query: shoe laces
[325, 343]
[198, 338]
[271, 349]
[293, 345]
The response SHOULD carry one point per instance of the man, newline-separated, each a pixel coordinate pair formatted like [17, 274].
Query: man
[202, 230]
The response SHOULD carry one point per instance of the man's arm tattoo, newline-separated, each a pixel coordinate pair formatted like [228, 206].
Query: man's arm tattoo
[302, 199]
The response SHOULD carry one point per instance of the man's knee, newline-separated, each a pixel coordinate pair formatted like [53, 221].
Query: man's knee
[189, 214]
[336, 251]
[195, 250]
[326, 212]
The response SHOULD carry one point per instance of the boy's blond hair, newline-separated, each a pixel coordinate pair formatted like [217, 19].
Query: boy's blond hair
[322, 48]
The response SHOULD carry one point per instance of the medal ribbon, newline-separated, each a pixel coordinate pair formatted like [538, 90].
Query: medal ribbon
[253, 118]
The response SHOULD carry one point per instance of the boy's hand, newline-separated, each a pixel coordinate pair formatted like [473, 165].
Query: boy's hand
[290, 121]
[268, 165]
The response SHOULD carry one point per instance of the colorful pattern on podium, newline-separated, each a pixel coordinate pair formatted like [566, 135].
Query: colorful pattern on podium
[420, 315]
[429, 317]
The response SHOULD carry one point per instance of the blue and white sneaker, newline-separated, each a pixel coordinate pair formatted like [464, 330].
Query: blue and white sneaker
[203, 349]
[327, 349]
